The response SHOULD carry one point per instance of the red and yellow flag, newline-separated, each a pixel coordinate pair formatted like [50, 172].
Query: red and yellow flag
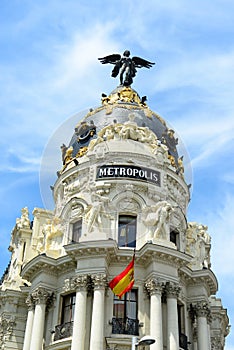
[123, 283]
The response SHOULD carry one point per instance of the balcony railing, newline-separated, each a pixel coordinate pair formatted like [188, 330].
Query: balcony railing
[63, 331]
[183, 341]
[125, 326]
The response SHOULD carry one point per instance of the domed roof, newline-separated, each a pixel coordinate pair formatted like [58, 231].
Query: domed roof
[122, 105]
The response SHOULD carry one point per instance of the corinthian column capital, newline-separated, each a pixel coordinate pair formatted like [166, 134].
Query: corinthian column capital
[154, 286]
[99, 281]
[80, 282]
[41, 295]
[202, 309]
[30, 302]
[172, 290]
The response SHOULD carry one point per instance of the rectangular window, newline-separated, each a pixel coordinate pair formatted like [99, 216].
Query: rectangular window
[127, 231]
[183, 339]
[76, 231]
[64, 329]
[68, 308]
[125, 314]
[174, 237]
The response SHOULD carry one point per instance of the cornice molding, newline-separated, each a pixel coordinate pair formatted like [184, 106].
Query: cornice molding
[205, 277]
[47, 265]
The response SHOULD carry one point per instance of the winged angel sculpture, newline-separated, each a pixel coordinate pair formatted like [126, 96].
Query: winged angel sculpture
[125, 66]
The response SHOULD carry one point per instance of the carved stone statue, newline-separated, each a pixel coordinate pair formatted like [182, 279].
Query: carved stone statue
[158, 217]
[95, 211]
[24, 221]
[53, 234]
[128, 130]
[125, 66]
[198, 245]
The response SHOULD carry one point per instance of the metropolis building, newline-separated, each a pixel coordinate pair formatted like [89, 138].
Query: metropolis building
[121, 188]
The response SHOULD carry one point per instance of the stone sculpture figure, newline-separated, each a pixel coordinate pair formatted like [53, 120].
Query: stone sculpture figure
[53, 233]
[198, 245]
[95, 211]
[125, 66]
[158, 216]
[23, 221]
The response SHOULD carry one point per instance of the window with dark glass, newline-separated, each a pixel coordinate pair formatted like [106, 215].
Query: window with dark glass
[64, 329]
[174, 237]
[125, 314]
[127, 231]
[68, 307]
[183, 340]
[76, 231]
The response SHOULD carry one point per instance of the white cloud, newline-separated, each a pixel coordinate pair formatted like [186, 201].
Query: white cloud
[221, 223]
[49, 70]
[213, 148]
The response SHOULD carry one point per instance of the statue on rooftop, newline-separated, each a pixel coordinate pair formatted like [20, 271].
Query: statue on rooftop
[125, 66]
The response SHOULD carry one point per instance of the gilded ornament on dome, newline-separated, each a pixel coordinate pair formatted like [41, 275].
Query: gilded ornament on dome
[181, 166]
[168, 138]
[126, 94]
[85, 131]
[81, 152]
[68, 158]
[172, 160]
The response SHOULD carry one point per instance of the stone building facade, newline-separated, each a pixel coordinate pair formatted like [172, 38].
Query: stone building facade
[121, 188]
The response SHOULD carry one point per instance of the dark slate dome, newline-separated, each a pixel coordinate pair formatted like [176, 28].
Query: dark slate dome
[117, 108]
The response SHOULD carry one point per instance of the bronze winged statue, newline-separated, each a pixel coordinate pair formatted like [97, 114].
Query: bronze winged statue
[125, 66]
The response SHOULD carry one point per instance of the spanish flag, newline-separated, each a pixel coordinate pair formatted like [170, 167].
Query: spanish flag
[124, 282]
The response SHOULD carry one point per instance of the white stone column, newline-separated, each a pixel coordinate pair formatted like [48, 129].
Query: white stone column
[154, 288]
[40, 296]
[97, 325]
[172, 291]
[79, 323]
[203, 338]
[29, 324]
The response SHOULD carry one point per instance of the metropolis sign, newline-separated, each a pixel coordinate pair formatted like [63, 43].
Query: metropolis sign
[130, 172]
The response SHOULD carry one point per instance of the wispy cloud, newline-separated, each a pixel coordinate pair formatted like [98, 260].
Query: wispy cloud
[221, 223]
[49, 71]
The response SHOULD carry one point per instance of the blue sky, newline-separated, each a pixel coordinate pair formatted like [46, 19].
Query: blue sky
[49, 72]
